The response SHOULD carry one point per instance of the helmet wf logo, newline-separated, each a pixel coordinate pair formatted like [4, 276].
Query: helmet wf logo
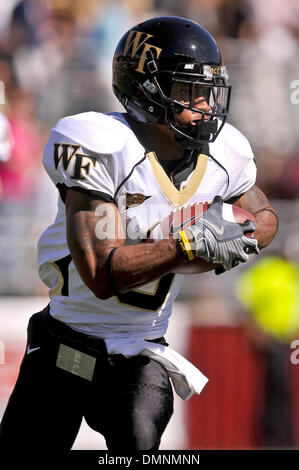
[134, 43]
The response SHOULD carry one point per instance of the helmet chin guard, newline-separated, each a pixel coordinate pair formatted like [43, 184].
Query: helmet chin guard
[191, 136]
[157, 75]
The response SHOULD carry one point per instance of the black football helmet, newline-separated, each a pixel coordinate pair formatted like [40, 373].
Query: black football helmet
[161, 66]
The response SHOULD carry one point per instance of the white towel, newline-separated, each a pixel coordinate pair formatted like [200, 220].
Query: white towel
[185, 377]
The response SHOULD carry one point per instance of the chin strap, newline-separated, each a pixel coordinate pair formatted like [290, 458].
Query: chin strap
[202, 132]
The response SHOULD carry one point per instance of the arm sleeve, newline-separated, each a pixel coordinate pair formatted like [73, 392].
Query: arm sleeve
[69, 165]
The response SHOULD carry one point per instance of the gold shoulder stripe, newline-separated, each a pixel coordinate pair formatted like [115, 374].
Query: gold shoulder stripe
[176, 197]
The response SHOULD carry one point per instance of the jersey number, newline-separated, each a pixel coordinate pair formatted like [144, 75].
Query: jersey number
[147, 300]
[62, 286]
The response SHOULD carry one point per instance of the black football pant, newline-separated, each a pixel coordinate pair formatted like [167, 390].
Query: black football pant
[128, 400]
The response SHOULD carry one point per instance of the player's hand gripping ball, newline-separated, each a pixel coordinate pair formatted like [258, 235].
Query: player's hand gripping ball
[189, 215]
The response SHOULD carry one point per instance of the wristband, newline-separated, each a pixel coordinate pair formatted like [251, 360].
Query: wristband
[110, 272]
[184, 246]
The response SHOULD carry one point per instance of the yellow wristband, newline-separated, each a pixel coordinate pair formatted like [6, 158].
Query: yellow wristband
[185, 246]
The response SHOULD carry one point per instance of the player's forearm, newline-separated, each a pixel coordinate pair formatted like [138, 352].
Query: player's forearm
[136, 265]
[266, 226]
[130, 265]
[256, 202]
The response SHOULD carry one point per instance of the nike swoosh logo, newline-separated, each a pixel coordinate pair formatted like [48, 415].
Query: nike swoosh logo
[218, 230]
[30, 350]
[176, 228]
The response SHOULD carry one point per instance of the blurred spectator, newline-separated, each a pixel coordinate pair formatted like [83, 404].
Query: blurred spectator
[271, 14]
[278, 173]
[289, 182]
[26, 20]
[169, 8]
[113, 16]
[54, 59]
[6, 144]
[5, 15]
[204, 13]
[7, 77]
[6, 141]
[73, 86]
[269, 291]
[20, 172]
[19, 176]
[267, 62]
[232, 18]
[271, 166]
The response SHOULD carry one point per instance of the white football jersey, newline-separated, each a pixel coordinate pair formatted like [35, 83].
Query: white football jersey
[100, 154]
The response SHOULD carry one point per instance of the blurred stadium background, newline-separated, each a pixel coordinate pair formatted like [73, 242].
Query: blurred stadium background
[55, 60]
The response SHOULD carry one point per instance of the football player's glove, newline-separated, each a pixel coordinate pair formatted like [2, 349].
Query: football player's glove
[221, 242]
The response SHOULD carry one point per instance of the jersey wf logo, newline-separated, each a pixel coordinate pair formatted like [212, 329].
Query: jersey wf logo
[67, 155]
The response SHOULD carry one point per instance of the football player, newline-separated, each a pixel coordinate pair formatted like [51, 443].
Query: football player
[98, 350]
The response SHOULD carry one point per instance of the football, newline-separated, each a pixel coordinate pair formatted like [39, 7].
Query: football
[186, 216]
